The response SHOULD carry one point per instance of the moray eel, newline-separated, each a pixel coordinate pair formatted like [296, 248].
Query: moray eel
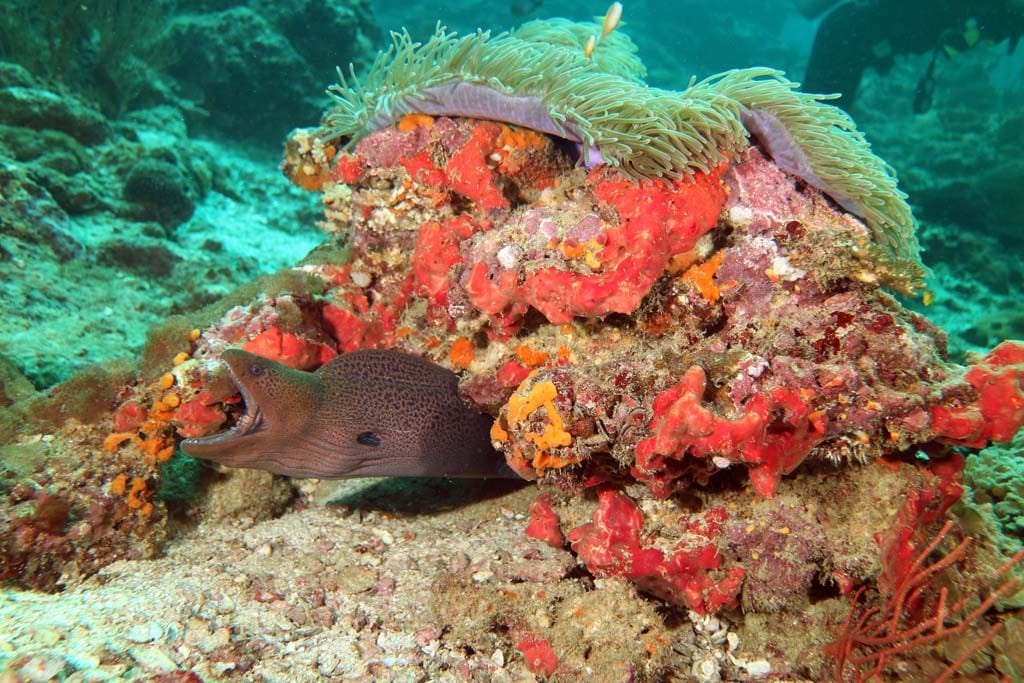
[368, 413]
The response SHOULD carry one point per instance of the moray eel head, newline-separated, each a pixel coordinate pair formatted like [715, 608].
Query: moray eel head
[368, 413]
[261, 437]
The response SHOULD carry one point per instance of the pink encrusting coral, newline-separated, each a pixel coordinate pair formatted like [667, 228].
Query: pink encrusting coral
[774, 433]
[996, 409]
[612, 544]
[570, 264]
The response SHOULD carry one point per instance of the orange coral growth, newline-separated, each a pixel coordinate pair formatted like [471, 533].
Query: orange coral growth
[516, 146]
[136, 493]
[411, 122]
[521, 138]
[461, 353]
[114, 441]
[531, 358]
[310, 169]
[521, 406]
[119, 484]
[498, 432]
[563, 354]
[156, 449]
[308, 177]
[702, 277]
[587, 252]
[543, 460]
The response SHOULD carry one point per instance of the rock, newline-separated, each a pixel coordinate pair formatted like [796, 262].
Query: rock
[162, 190]
[224, 50]
[282, 53]
[166, 119]
[14, 386]
[30, 215]
[41, 669]
[15, 74]
[255, 494]
[144, 256]
[43, 109]
[71, 191]
[153, 659]
[326, 34]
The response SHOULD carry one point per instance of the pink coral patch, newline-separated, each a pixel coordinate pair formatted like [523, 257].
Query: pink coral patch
[435, 258]
[469, 173]
[289, 349]
[197, 417]
[998, 412]
[657, 219]
[539, 655]
[129, 416]
[610, 545]
[349, 169]
[544, 523]
[774, 433]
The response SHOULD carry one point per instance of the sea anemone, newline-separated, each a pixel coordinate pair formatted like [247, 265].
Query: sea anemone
[545, 76]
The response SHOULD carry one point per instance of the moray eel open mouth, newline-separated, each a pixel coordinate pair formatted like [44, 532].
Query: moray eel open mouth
[250, 422]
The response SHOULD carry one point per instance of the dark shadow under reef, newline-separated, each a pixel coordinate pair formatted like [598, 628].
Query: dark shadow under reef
[427, 495]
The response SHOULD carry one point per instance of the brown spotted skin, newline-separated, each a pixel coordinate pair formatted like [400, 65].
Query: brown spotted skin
[370, 413]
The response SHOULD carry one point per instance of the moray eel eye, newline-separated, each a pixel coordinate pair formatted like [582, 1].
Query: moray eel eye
[368, 439]
[256, 370]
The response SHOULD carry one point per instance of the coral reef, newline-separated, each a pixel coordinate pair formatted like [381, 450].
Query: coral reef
[106, 237]
[992, 507]
[960, 163]
[747, 338]
[60, 523]
[652, 352]
[114, 214]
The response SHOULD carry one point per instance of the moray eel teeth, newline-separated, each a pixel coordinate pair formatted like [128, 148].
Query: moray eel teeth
[364, 414]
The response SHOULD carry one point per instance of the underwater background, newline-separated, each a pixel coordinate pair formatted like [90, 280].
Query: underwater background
[140, 180]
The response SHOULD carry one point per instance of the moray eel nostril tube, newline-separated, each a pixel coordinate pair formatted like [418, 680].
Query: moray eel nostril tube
[369, 413]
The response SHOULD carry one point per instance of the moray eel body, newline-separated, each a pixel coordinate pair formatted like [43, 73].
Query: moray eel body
[367, 413]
